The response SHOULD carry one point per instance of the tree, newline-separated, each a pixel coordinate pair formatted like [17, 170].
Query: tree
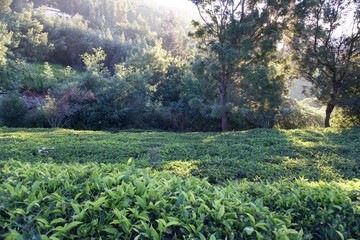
[19, 5]
[5, 35]
[327, 49]
[29, 40]
[235, 35]
[172, 35]
[5, 40]
[5, 6]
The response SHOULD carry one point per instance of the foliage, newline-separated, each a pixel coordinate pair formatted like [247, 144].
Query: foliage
[79, 184]
[114, 201]
[136, 68]
[237, 36]
[346, 117]
[29, 40]
[266, 154]
[5, 6]
[12, 110]
[21, 76]
[5, 40]
[326, 47]
[60, 107]
[293, 115]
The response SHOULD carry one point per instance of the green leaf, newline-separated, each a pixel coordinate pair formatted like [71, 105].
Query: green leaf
[98, 203]
[20, 211]
[111, 193]
[212, 237]
[130, 161]
[58, 220]
[226, 224]
[43, 221]
[10, 188]
[76, 208]
[161, 224]
[202, 237]
[262, 226]
[221, 212]
[111, 230]
[173, 219]
[52, 237]
[70, 226]
[258, 235]
[249, 230]
[172, 223]
[251, 217]
[154, 234]
[141, 202]
[144, 216]
[77, 196]
[31, 205]
[340, 235]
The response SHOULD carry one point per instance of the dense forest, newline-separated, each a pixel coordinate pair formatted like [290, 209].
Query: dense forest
[103, 64]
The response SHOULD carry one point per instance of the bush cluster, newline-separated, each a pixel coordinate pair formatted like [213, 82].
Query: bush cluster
[72, 201]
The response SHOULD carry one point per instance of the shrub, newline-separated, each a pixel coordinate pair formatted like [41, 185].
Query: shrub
[12, 111]
[35, 118]
[115, 201]
[293, 115]
[345, 117]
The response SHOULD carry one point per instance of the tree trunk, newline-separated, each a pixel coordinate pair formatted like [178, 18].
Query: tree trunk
[223, 103]
[329, 109]
[332, 102]
[225, 122]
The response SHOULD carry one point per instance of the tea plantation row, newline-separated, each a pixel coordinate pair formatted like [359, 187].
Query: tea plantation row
[323, 154]
[62, 184]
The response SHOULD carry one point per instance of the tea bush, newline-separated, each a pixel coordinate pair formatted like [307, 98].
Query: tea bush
[268, 154]
[65, 184]
[113, 201]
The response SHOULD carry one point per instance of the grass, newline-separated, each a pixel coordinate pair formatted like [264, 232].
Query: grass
[258, 184]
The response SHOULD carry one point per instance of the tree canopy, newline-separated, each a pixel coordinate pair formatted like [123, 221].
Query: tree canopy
[327, 49]
[92, 64]
[238, 35]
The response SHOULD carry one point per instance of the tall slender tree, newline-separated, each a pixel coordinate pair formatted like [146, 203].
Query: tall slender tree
[5, 6]
[237, 34]
[327, 48]
[5, 40]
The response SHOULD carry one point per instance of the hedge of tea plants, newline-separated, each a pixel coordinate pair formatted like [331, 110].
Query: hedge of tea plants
[107, 201]
[260, 184]
[268, 154]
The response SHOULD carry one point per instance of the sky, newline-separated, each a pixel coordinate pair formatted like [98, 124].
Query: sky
[182, 5]
[178, 6]
[175, 3]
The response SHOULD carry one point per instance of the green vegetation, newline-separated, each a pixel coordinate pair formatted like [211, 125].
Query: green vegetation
[100, 64]
[266, 154]
[123, 65]
[69, 184]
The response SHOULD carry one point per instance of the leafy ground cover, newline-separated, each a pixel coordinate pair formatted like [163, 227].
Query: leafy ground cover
[64, 184]
[268, 154]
